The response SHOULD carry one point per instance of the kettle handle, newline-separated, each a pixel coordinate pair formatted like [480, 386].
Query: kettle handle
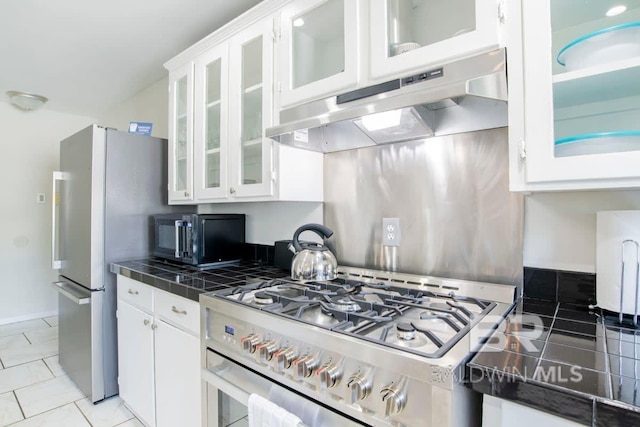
[319, 229]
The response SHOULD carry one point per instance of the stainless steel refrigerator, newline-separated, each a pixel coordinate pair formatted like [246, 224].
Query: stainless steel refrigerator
[109, 184]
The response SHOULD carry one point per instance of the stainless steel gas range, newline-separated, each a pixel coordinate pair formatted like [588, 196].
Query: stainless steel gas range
[369, 348]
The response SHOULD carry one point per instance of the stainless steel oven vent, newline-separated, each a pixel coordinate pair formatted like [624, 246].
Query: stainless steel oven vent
[462, 96]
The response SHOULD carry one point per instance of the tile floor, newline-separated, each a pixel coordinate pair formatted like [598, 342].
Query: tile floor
[36, 392]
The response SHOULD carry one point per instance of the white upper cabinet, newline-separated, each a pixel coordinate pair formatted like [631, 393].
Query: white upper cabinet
[221, 102]
[211, 133]
[411, 35]
[181, 134]
[318, 49]
[251, 110]
[581, 95]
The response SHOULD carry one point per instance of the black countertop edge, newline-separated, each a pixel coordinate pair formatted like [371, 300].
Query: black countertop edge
[190, 282]
[579, 407]
[533, 353]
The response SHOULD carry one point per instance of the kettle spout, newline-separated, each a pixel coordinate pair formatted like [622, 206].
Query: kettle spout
[292, 248]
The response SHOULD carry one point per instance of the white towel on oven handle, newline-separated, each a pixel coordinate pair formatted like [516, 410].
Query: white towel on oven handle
[264, 413]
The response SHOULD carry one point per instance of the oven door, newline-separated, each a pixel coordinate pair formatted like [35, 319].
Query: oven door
[229, 385]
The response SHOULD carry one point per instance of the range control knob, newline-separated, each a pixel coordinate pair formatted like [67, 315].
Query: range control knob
[359, 385]
[394, 398]
[250, 342]
[329, 375]
[305, 366]
[285, 357]
[266, 350]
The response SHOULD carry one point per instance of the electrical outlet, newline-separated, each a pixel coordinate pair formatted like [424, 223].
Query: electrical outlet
[40, 198]
[391, 231]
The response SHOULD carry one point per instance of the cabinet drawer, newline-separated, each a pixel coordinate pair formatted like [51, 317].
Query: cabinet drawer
[136, 293]
[178, 310]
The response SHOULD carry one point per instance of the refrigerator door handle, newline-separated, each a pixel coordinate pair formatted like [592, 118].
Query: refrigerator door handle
[72, 293]
[56, 264]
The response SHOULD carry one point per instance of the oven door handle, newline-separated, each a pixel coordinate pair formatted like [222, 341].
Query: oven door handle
[220, 367]
[231, 389]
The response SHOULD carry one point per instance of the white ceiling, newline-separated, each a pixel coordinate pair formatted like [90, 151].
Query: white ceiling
[87, 56]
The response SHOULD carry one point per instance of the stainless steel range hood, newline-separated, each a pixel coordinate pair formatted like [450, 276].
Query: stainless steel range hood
[461, 96]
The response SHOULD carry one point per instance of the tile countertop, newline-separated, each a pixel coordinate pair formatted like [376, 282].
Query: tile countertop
[575, 364]
[189, 282]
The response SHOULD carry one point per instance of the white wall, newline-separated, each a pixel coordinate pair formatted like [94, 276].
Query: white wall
[560, 228]
[29, 144]
[271, 221]
[149, 105]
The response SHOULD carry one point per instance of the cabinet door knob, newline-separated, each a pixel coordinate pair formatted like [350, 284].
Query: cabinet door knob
[176, 311]
[154, 327]
[232, 190]
[146, 322]
[186, 194]
[132, 292]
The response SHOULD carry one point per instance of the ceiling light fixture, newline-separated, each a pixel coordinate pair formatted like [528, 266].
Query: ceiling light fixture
[298, 22]
[616, 10]
[26, 101]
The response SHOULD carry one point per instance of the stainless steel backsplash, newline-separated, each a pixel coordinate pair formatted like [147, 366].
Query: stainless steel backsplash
[457, 216]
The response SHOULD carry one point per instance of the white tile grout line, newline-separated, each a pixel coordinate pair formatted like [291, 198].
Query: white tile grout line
[85, 417]
[27, 338]
[25, 332]
[35, 360]
[89, 421]
[41, 413]
[132, 418]
[15, 396]
[31, 361]
[50, 325]
[50, 370]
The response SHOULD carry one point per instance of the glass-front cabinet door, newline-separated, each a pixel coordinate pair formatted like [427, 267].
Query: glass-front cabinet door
[582, 91]
[181, 134]
[318, 49]
[211, 128]
[251, 82]
[411, 35]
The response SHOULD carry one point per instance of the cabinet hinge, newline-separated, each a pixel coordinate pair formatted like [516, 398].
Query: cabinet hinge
[274, 176]
[277, 35]
[501, 11]
[279, 87]
[523, 150]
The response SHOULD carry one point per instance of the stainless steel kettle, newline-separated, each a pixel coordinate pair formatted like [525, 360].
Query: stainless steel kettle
[312, 261]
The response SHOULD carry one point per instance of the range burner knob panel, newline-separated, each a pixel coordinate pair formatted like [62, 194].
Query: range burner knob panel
[266, 350]
[360, 387]
[329, 375]
[285, 357]
[305, 366]
[394, 398]
[250, 342]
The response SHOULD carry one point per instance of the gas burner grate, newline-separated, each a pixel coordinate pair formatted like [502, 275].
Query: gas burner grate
[361, 309]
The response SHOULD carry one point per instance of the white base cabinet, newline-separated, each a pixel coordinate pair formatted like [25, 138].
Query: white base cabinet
[135, 362]
[502, 413]
[158, 355]
[177, 357]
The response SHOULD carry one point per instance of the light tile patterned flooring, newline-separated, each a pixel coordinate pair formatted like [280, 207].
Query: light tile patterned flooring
[36, 392]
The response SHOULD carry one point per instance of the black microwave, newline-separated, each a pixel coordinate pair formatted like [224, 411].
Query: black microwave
[199, 239]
